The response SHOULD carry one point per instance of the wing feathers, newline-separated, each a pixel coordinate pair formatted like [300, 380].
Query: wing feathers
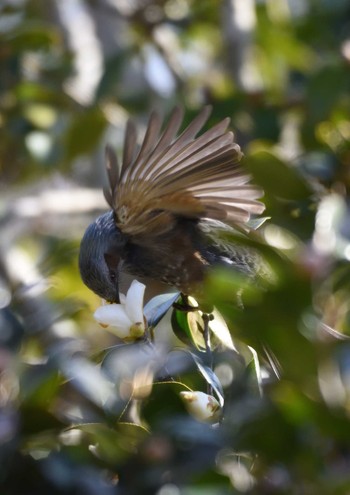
[195, 126]
[129, 146]
[112, 167]
[113, 174]
[169, 132]
[179, 152]
[185, 175]
[193, 154]
[152, 133]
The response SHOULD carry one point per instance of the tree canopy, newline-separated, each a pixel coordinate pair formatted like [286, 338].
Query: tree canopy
[83, 412]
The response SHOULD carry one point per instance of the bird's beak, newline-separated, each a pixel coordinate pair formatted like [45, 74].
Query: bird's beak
[114, 262]
[117, 282]
[116, 299]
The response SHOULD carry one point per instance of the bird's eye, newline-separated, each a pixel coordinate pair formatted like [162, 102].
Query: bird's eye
[112, 275]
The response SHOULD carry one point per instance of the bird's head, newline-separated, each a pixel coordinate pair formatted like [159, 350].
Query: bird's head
[99, 258]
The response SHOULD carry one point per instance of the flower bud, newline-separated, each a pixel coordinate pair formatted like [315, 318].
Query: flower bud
[201, 406]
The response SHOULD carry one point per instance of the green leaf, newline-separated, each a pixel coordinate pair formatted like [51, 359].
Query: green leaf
[35, 35]
[158, 306]
[210, 377]
[221, 331]
[180, 326]
[112, 74]
[276, 177]
[84, 133]
[90, 382]
[188, 323]
[188, 326]
[112, 444]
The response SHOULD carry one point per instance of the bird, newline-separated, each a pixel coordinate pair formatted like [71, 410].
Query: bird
[168, 199]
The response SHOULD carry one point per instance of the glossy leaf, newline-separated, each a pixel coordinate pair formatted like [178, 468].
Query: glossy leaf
[210, 377]
[276, 177]
[158, 306]
[84, 132]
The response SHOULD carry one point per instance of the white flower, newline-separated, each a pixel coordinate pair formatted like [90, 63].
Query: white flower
[125, 319]
[201, 406]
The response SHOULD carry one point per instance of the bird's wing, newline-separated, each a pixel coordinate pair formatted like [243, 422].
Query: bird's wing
[173, 175]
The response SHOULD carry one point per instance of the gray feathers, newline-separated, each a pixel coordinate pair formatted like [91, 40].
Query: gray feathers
[100, 240]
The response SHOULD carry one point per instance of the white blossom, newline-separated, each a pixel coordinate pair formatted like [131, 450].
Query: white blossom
[126, 319]
[201, 406]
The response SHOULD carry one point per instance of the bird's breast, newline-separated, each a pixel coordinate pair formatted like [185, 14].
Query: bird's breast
[173, 259]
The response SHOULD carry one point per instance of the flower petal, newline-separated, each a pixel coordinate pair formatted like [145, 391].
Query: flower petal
[134, 301]
[113, 314]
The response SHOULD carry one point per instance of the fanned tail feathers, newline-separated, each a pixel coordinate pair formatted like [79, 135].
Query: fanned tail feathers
[196, 177]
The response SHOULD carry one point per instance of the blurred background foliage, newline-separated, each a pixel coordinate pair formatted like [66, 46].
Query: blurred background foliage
[72, 72]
